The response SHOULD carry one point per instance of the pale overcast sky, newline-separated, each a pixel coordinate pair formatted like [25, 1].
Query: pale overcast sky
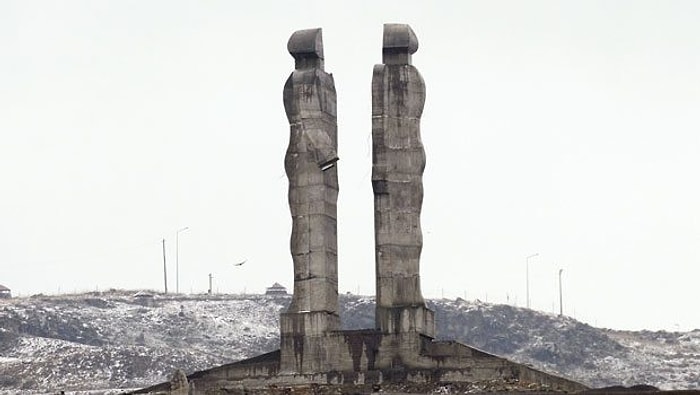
[568, 129]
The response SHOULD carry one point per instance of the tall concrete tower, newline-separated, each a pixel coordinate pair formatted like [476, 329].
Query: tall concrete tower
[310, 104]
[398, 160]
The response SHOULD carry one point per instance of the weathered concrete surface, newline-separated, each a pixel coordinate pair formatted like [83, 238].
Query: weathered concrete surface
[310, 104]
[179, 384]
[367, 360]
[398, 161]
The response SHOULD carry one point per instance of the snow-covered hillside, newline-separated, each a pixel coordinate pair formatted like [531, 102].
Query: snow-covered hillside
[596, 357]
[111, 340]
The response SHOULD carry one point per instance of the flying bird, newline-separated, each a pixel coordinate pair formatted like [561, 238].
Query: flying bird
[240, 263]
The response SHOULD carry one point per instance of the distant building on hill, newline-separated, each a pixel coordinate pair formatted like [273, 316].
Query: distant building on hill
[276, 289]
[6, 293]
[145, 298]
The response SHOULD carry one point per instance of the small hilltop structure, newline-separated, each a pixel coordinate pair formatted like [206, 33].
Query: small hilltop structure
[5, 293]
[145, 298]
[402, 347]
[276, 289]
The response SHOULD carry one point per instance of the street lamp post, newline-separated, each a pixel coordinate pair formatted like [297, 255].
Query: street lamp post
[177, 258]
[527, 278]
[165, 270]
[561, 304]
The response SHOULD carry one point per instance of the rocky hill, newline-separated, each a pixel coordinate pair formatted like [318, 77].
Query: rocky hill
[113, 340]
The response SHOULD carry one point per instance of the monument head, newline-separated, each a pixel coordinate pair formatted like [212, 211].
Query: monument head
[306, 46]
[399, 43]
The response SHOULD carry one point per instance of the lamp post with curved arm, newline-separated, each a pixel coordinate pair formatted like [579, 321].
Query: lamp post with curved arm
[561, 299]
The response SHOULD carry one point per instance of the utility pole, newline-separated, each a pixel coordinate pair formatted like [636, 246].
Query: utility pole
[561, 304]
[165, 270]
[210, 277]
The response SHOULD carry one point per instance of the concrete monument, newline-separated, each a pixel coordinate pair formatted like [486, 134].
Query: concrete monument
[402, 347]
[310, 104]
[398, 160]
